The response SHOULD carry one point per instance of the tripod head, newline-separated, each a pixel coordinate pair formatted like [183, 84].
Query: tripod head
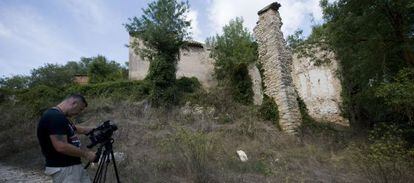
[105, 146]
[101, 134]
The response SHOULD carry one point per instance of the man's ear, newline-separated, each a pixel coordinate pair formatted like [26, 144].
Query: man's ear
[75, 102]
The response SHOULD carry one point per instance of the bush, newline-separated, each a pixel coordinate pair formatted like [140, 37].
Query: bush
[39, 98]
[241, 85]
[102, 70]
[192, 151]
[399, 95]
[188, 85]
[386, 158]
[269, 111]
[135, 90]
[233, 52]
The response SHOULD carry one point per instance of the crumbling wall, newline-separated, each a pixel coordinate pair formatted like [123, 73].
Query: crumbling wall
[194, 61]
[318, 85]
[254, 74]
[137, 66]
[277, 62]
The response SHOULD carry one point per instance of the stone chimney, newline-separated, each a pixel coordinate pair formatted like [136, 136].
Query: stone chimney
[277, 65]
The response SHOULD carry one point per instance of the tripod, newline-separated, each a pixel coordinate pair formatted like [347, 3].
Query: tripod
[104, 151]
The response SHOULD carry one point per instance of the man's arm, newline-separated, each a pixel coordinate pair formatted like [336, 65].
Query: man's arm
[82, 129]
[61, 145]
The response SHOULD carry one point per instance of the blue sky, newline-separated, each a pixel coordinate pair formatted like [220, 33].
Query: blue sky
[36, 32]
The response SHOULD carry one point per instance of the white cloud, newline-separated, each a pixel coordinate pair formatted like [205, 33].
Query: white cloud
[24, 31]
[295, 14]
[4, 31]
[91, 13]
[195, 29]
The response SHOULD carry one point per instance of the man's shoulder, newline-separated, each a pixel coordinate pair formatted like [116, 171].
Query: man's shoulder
[52, 114]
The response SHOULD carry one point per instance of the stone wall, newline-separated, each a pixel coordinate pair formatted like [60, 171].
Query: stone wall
[254, 75]
[277, 65]
[194, 62]
[137, 66]
[319, 86]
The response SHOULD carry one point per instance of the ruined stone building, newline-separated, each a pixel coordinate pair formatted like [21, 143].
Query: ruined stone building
[194, 61]
[285, 75]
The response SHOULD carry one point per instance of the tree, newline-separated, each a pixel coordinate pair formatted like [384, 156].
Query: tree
[233, 52]
[162, 29]
[52, 75]
[373, 40]
[101, 70]
[15, 82]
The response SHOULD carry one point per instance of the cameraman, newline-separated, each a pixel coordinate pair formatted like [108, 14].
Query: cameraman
[59, 143]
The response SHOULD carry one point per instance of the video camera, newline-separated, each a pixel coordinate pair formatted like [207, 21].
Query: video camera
[101, 134]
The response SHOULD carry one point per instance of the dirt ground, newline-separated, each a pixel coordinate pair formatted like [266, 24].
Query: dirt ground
[11, 174]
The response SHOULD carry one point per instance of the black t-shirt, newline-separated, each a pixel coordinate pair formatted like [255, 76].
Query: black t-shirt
[54, 122]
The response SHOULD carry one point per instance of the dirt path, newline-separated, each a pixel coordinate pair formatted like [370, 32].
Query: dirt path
[11, 174]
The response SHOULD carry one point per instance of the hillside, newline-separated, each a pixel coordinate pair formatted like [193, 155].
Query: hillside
[197, 142]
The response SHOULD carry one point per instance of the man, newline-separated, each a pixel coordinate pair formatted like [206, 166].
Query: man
[59, 143]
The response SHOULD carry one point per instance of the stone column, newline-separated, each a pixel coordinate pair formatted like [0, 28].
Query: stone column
[277, 65]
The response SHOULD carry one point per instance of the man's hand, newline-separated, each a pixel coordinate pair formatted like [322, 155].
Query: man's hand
[61, 145]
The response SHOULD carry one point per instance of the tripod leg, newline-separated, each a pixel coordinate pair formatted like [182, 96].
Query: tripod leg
[106, 168]
[98, 174]
[113, 161]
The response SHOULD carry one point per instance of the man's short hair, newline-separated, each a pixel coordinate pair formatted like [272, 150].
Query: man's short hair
[78, 97]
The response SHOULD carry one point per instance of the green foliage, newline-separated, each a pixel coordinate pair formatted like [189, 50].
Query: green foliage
[373, 41]
[192, 151]
[135, 90]
[242, 85]
[188, 85]
[315, 43]
[80, 67]
[269, 110]
[251, 166]
[15, 82]
[99, 69]
[39, 98]
[296, 39]
[162, 29]
[386, 158]
[233, 52]
[399, 95]
[52, 75]
[102, 70]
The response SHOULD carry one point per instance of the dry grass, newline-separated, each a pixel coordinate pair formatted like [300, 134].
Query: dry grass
[198, 141]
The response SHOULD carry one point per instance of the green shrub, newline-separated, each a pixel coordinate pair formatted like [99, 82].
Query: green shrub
[102, 70]
[242, 85]
[39, 98]
[135, 90]
[189, 85]
[386, 158]
[251, 166]
[233, 52]
[269, 111]
[192, 152]
[399, 95]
